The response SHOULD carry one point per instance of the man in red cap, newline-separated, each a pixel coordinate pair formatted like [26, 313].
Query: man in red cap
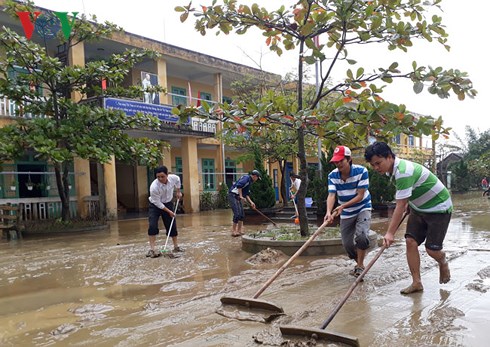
[349, 182]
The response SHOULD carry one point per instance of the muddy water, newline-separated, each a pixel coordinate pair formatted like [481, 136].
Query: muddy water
[98, 288]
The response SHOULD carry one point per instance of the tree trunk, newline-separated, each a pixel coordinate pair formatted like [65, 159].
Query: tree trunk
[303, 217]
[62, 183]
[101, 190]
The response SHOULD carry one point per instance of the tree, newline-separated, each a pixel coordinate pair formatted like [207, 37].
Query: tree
[63, 129]
[352, 105]
[318, 188]
[262, 192]
[382, 189]
[475, 163]
[461, 176]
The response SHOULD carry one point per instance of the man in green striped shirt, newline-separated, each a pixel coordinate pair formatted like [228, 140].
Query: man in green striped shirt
[430, 205]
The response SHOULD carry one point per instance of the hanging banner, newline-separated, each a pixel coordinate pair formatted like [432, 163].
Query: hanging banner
[131, 107]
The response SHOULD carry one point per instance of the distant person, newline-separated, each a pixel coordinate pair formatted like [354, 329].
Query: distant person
[293, 190]
[430, 208]
[350, 182]
[484, 183]
[239, 192]
[161, 205]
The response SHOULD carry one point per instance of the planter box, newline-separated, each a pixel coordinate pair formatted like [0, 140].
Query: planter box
[267, 211]
[317, 247]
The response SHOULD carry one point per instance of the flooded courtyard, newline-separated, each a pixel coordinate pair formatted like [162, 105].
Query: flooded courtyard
[98, 288]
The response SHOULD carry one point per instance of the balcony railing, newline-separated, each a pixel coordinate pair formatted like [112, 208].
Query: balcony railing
[9, 108]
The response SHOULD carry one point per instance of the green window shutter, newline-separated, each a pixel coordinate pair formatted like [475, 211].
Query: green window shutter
[179, 171]
[179, 96]
[208, 175]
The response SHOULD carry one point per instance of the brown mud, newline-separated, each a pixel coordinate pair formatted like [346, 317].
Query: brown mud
[98, 288]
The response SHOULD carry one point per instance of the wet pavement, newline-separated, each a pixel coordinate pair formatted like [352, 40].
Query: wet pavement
[99, 289]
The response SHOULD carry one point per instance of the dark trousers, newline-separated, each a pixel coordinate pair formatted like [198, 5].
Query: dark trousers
[237, 207]
[154, 214]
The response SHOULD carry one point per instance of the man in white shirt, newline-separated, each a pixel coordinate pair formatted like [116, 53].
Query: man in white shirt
[161, 195]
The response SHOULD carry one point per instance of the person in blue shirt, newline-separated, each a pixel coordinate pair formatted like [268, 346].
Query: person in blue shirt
[238, 192]
[349, 182]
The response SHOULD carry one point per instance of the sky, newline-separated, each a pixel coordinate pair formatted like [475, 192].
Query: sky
[466, 26]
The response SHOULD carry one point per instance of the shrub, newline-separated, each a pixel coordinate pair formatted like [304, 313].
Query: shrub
[318, 187]
[206, 201]
[381, 188]
[222, 197]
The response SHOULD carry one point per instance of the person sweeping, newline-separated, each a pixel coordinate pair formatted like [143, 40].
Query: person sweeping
[349, 182]
[161, 205]
[430, 205]
[239, 192]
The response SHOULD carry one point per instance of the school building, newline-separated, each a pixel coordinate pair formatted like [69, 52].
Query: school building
[194, 152]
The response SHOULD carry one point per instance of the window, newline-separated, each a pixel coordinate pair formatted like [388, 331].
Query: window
[230, 172]
[202, 96]
[21, 76]
[208, 174]
[397, 139]
[227, 100]
[178, 170]
[410, 141]
[205, 96]
[179, 96]
[275, 182]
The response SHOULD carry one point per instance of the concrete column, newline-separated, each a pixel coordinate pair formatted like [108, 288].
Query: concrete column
[167, 156]
[76, 56]
[110, 189]
[296, 164]
[141, 187]
[220, 165]
[191, 174]
[82, 184]
[161, 68]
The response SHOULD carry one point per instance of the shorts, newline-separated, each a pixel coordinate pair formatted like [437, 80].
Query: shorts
[428, 227]
[355, 233]
[154, 214]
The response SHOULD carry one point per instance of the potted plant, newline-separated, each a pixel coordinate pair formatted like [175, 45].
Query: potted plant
[13, 186]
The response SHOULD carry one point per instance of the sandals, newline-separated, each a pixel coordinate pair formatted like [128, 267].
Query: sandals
[178, 250]
[152, 254]
[357, 271]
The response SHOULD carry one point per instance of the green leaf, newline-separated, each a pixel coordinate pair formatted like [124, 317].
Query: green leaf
[418, 87]
[183, 17]
[360, 72]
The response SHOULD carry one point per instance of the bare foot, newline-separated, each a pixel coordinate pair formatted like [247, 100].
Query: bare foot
[412, 289]
[444, 274]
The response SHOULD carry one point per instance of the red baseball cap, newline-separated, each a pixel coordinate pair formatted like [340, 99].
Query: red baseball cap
[340, 153]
